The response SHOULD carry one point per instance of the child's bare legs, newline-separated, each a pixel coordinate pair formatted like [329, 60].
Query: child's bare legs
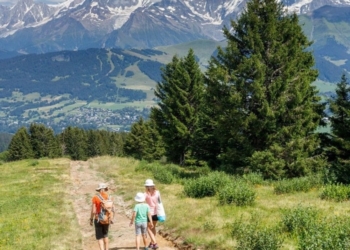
[144, 238]
[138, 238]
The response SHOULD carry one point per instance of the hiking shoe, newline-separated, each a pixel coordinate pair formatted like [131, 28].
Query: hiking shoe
[155, 246]
[150, 245]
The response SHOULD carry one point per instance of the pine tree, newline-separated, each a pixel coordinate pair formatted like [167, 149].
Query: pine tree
[74, 142]
[261, 94]
[116, 143]
[20, 147]
[180, 95]
[94, 141]
[44, 142]
[143, 142]
[339, 151]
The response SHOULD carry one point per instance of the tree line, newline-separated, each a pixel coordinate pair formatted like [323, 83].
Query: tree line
[254, 109]
[39, 141]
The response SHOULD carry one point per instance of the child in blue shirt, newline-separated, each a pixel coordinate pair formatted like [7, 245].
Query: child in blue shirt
[139, 216]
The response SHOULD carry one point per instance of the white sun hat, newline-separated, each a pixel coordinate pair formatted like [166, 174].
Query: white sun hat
[101, 186]
[149, 183]
[140, 197]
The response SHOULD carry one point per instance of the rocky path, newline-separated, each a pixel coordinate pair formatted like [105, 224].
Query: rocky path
[121, 235]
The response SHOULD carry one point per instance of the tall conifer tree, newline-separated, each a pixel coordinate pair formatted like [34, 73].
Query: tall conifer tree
[144, 142]
[340, 128]
[44, 142]
[20, 147]
[74, 143]
[261, 94]
[180, 94]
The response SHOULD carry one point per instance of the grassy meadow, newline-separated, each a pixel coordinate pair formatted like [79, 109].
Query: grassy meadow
[299, 214]
[274, 216]
[35, 209]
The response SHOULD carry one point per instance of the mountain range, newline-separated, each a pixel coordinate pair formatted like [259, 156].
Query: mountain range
[95, 63]
[35, 27]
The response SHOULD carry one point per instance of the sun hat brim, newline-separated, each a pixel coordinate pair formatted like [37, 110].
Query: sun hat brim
[101, 186]
[139, 200]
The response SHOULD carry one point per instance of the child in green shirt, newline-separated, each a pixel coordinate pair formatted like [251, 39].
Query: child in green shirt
[139, 216]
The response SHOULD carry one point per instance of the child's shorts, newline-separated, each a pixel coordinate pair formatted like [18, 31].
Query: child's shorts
[141, 228]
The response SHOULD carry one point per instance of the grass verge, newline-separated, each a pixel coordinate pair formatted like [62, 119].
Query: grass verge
[35, 210]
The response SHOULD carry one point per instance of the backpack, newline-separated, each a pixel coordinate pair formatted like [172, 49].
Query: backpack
[107, 210]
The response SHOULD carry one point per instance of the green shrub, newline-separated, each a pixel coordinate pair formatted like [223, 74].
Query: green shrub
[253, 236]
[254, 178]
[299, 219]
[163, 175]
[336, 192]
[238, 193]
[144, 166]
[301, 184]
[206, 186]
[326, 235]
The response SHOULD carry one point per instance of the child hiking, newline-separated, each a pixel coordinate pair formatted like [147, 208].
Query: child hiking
[101, 223]
[140, 215]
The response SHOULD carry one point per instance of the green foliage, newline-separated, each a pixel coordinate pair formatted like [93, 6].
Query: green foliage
[20, 147]
[251, 235]
[263, 106]
[74, 141]
[254, 178]
[299, 219]
[163, 175]
[144, 141]
[338, 147]
[336, 192]
[206, 186]
[326, 235]
[4, 156]
[237, 192]
[301, 184]
[43, 141]
[180, 96]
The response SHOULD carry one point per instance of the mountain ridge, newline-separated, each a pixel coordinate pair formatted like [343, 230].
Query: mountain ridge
[83, 24]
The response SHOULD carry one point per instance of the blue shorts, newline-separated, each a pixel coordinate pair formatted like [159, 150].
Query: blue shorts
[141, 228]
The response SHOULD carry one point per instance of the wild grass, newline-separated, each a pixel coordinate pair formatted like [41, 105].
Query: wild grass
[301, 219]
[35, 212]
[208, 224]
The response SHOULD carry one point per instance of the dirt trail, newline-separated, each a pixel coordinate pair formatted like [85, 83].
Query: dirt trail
[121, 236]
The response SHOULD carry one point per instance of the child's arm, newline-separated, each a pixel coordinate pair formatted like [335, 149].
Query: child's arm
[132, 218]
